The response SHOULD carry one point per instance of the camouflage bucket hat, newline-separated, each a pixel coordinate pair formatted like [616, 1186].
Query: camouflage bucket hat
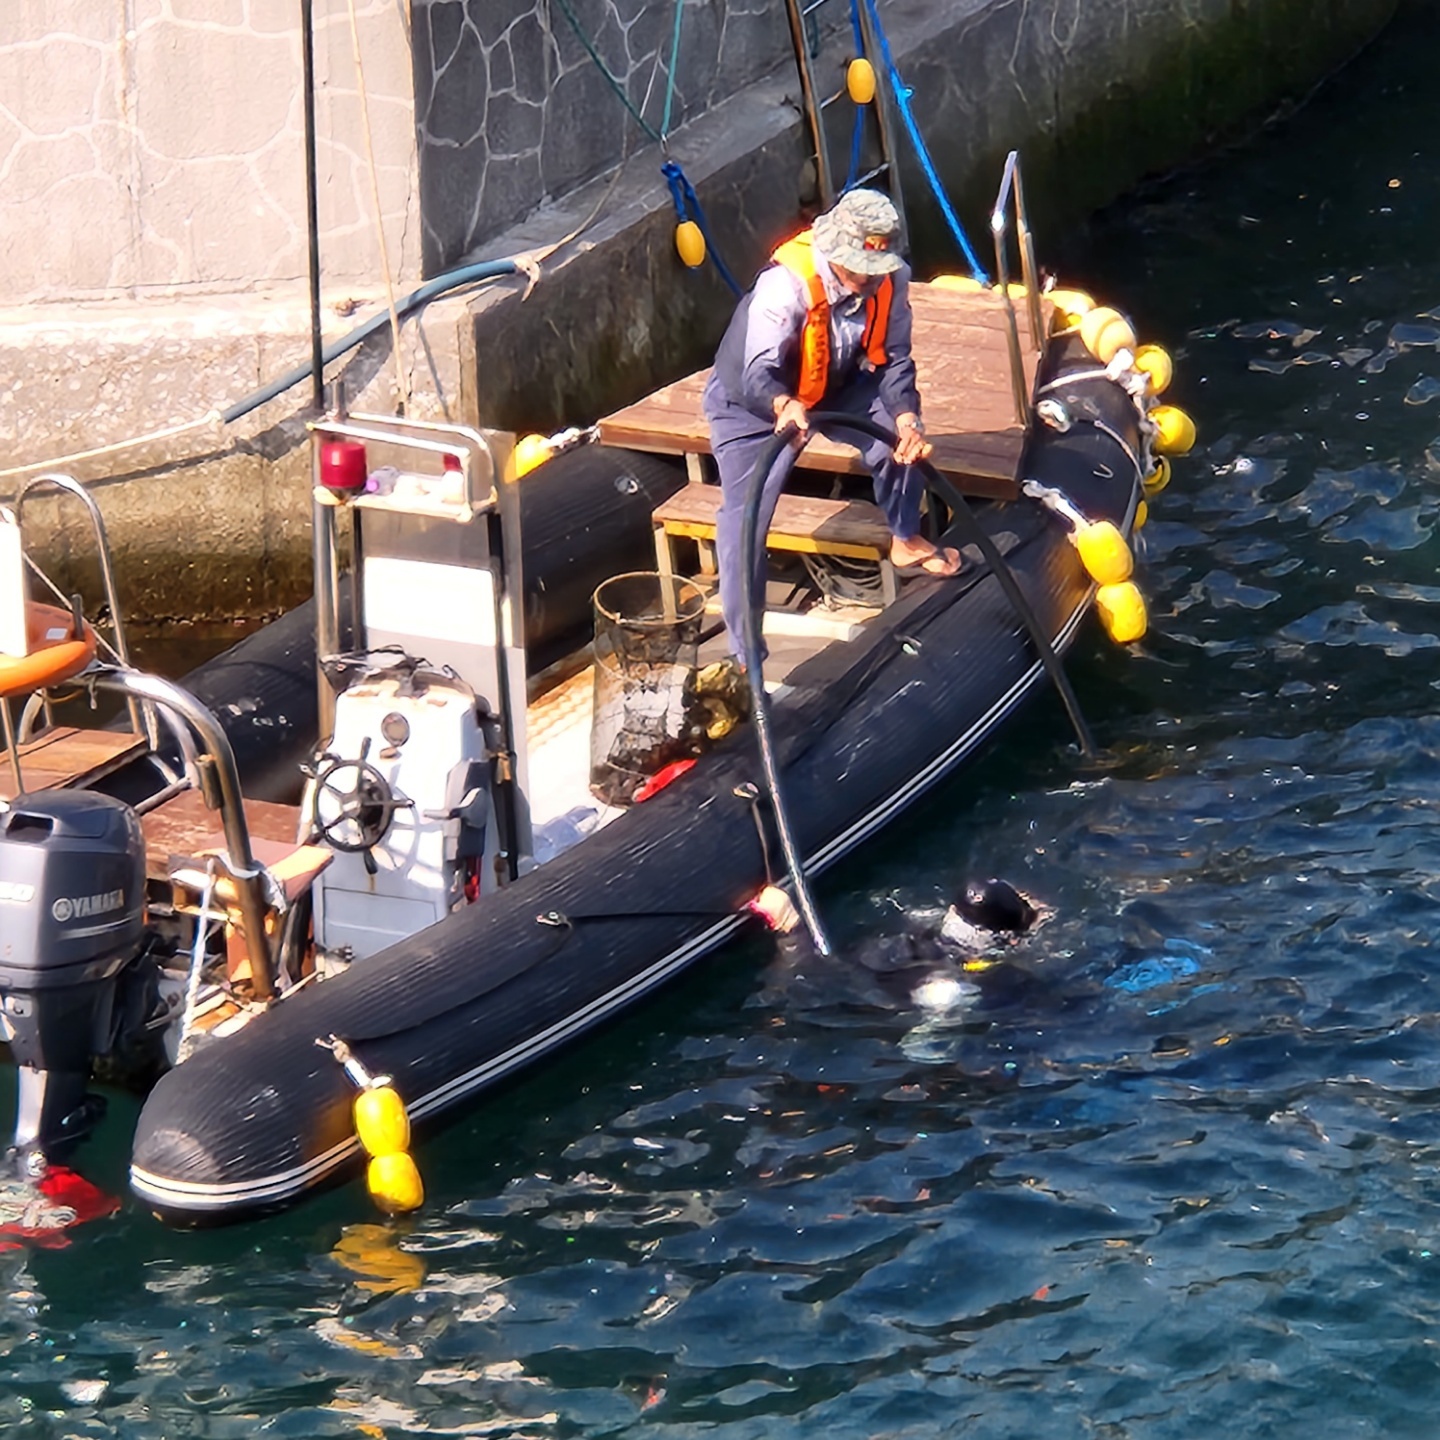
[860, 232]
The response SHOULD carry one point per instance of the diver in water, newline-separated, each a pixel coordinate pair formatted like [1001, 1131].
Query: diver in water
[988, 910]
[989, 915]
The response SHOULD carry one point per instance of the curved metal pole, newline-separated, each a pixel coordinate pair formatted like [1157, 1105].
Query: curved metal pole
[248, 877]
[760, 703]
[72, 486]
[935, 481]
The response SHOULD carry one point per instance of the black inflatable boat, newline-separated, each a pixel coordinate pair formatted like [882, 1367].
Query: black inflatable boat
[450, 918]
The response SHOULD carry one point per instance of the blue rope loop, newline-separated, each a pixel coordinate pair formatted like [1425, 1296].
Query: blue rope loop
[902, 95]
[687, 207]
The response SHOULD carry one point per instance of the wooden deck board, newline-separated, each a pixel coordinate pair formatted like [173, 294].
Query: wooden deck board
[798, 518]
[962, 359]
[64, 756]
[183, 826]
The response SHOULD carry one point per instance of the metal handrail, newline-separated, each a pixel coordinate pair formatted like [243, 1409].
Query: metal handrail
[248, 877]
[809, 101]
[142, 719]
[458, 440]
[1010, 184]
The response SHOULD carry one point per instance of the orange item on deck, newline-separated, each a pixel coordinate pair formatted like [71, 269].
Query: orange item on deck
[56, 653]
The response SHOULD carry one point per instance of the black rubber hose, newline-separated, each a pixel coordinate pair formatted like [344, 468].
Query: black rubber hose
[759, 706]
[754, 663]
[960, 508]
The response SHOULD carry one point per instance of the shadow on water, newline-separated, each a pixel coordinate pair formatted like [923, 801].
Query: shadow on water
[1170, 1160]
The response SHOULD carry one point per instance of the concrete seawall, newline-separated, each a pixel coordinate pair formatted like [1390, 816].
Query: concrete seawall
[213, 521]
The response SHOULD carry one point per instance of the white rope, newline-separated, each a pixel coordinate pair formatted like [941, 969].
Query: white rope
[197, 964]
[209, 418]
[404, 389]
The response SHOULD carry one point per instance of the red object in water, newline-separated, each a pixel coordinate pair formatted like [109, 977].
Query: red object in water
[661, 778]
[60, 1200]
[342, 465]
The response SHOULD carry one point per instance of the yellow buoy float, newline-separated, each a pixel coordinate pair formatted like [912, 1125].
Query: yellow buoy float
[1158, 478]
[860, 81]
[381, 1121]
[1121, 609]
[1104, 552]
[1071, 307]
[530, 451]
[690, 244]
[1174, 430]
[394, 1183]
[384, 1130]
[1154, 362]
[383, 1127]
[1106, 332]
[965, 284]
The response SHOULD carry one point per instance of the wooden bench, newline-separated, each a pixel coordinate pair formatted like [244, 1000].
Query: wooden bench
[65, 756]
[803, 524]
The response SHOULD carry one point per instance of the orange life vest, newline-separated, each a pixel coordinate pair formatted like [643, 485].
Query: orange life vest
[798, 257]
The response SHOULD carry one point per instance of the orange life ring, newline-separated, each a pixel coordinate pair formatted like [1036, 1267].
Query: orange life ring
[56, 653]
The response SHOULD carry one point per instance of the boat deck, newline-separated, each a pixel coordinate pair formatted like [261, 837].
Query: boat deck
[65, 756]
[962, 358]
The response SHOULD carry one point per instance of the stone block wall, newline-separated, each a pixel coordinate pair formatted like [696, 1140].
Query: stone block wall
[512, 109]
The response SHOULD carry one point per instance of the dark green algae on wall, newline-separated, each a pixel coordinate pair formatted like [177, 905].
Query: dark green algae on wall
[1097, 95]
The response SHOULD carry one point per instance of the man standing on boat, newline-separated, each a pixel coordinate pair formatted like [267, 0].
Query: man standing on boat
[826, 326]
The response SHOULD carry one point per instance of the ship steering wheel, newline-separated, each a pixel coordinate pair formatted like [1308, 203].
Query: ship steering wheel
[360, 801]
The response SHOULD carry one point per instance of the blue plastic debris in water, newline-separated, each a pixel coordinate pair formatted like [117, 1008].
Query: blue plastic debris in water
[1178, 961]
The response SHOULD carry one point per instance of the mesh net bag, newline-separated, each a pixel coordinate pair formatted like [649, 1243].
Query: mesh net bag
[647, 634]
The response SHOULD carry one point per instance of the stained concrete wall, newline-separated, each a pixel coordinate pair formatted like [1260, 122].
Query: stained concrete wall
[213, 520]
[154, 147]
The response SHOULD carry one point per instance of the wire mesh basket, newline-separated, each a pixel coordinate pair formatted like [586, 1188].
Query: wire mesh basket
[647, 636]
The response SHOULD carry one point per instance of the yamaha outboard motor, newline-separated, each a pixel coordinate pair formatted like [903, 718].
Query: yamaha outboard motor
[72, 892]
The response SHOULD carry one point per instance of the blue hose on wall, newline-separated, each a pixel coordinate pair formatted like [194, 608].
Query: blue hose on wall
[450, 280]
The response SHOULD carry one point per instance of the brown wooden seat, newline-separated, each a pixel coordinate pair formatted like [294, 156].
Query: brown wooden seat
[803, 524]
[183, 826]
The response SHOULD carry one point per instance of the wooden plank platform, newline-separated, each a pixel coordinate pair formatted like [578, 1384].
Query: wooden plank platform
[183, 826]
[65, 756]
[962, 359]
[805, 524]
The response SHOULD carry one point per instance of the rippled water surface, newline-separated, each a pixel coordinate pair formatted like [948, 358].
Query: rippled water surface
[1170, 1165]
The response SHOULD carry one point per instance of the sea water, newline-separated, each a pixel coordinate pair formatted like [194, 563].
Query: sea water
[1169, 1166]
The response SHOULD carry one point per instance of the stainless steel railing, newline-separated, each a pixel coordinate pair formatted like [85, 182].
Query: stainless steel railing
[1012, 192]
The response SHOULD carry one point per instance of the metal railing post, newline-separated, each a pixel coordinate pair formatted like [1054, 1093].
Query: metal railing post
[248, 878]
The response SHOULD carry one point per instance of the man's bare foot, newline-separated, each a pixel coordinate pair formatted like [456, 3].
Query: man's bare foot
[920, 557]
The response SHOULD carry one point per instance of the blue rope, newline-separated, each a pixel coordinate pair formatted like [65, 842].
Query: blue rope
[687, 207]
[902, 103]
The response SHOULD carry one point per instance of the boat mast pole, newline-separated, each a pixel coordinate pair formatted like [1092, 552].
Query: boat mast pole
[312, 204]
[322, 519]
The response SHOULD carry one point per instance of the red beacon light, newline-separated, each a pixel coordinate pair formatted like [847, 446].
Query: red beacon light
[342, 466]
